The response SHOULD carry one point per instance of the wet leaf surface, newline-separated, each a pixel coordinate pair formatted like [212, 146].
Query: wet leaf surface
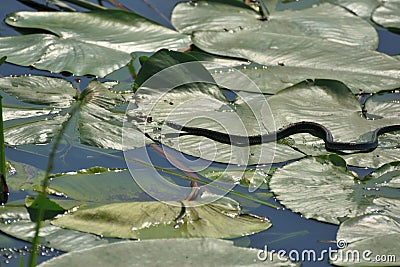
[103, 45]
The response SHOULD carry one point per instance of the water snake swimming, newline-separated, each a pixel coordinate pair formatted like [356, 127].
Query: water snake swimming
[312, 128]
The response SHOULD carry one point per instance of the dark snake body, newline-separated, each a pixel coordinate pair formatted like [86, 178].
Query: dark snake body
[312, 128]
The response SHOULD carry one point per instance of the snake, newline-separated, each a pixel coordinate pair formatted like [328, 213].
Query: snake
[312, 128]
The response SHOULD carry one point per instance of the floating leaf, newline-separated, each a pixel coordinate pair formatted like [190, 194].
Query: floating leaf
[95, 185]
[159, 61]
[51, 208]
[40, 90]
[204, 252]
[248, 177]
[291, 60]
[150, 220]
[379, 108]
[294, 44]
[325, 21]
[388, 15]
[15, 222]
[319, 189]
[99, 47]
[95, 121]
[372, 239]
[363, 9]
[23, 176]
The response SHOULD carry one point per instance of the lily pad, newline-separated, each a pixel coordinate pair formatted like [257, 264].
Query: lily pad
[363, 9]
[15, 222]
[193, 251]
[372, 239]
[96, 42]
[322, 188]
[23, 176]
[380, 107]
[153, 220]
[38, 113]
[96, 184]
[293, 60]
[249, 177]
[51, 208]
[388, 15]
[324, 21]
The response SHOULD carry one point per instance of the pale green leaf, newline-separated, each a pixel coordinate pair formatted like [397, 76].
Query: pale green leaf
[372, 239]
[197, 252]
[325, 21]
[294, 60]
[15, 222]
[381, 107]
[39, 90]
[97, 122]
[154, 220]
[363, 8]
[96, 42]
[388, 15]
[319, 189]
[95, 184]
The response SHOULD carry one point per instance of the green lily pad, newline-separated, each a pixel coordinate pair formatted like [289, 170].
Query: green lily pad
[291, 49]
[51, 208]
[373, 238]
[96, 42]
[153, 220]
[95, 184]
[159, 61]
[23, 176]
[363, 9]
[92, 185]
[291, 60]
[387, 15]
[15, 222]
[38, 113]
[322, 188]
[193, 251]
[324, 21]
[249, 177]
[379, 108]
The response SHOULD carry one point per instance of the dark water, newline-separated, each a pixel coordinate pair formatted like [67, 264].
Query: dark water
[289, 230]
